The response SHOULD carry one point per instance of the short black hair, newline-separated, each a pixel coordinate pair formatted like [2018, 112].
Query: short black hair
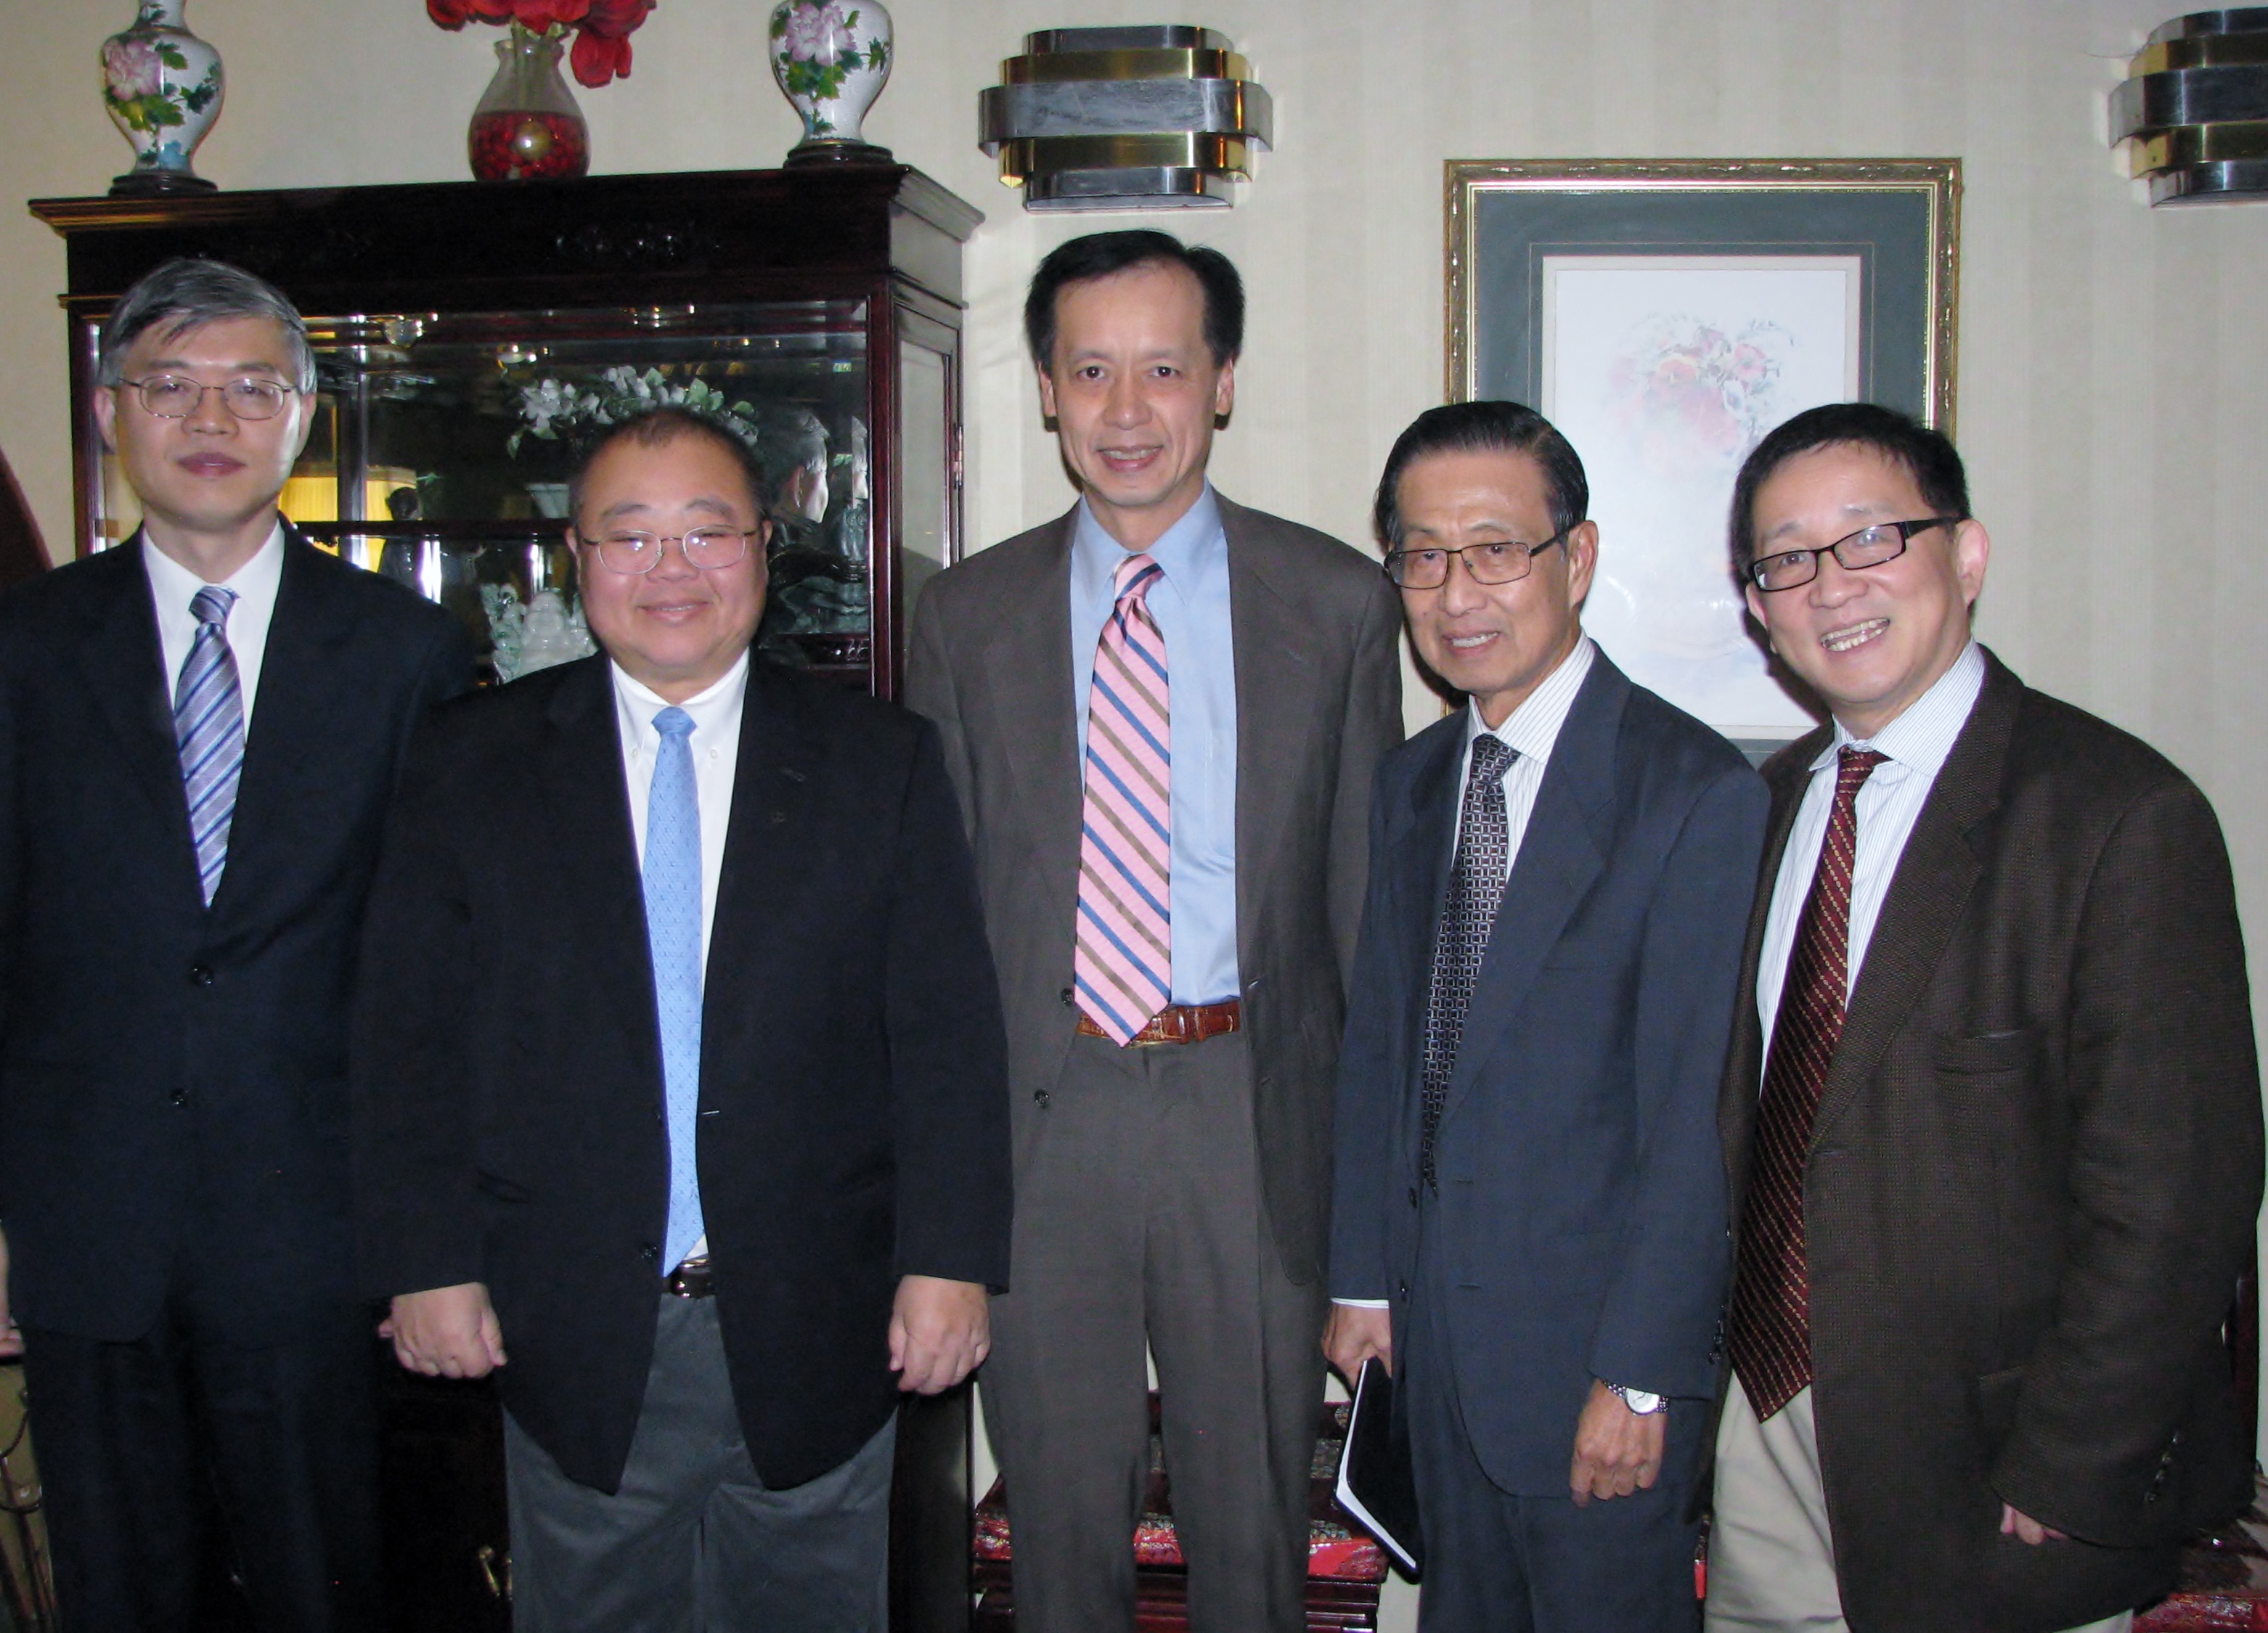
[652, 428]
[185, 294]
[1100, 254]
[1927, 456]
[1484, 427]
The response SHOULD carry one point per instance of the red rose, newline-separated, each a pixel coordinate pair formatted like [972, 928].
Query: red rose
[597, 57]
[615, 20]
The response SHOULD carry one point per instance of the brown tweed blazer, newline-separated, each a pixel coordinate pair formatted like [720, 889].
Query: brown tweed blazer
[2032, 1181]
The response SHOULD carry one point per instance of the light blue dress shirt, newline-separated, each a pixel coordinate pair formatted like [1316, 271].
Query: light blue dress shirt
[1191, 608]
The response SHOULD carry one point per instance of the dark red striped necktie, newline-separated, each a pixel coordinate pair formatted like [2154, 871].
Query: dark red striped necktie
[1768, 1332]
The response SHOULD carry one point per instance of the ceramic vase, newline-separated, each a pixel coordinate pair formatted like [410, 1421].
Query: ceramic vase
[162, 86]
[831, 58]
[526, 126]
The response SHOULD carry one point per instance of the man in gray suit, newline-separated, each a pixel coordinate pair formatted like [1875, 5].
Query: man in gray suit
[1162, 711]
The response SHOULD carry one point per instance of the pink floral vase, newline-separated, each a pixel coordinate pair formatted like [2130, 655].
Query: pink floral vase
[831, 58]
[162, 86]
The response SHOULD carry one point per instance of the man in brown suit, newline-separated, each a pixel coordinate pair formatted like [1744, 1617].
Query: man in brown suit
[1172, 863]
[1993, 1113]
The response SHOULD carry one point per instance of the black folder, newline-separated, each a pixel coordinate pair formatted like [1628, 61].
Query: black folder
[1376, 1485]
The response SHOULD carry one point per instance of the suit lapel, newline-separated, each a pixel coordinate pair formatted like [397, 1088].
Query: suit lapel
[1561, 857]
[1789, 774]
[1028, 680]
[301, 689]
[122, 664]
[1937, 871]
[1278, 672]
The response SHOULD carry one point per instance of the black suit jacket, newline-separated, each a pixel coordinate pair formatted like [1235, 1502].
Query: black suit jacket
[508, 1080]
[2032, 1181]
[166, 1068]
[1582, 1216]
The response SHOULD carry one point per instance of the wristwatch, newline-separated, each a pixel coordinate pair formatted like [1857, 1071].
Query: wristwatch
[1639, 1400]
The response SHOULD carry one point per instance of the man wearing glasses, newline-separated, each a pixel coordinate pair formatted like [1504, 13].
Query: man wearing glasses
[199, 732]
[679, 1081]
[1992, 1116]
[1528, 1225]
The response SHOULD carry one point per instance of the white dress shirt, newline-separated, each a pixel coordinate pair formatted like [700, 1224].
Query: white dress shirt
[174, 586]
[1532, 729]
[1916, 742]
[716, 746]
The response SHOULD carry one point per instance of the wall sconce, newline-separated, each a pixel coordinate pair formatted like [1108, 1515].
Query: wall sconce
[2192, 112]
[1148, 118]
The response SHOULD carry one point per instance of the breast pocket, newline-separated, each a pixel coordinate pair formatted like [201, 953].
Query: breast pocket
[1985, 1053]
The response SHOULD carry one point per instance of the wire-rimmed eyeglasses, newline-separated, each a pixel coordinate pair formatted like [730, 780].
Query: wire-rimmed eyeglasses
[708, 549]
[176, 397]
[1428, 569]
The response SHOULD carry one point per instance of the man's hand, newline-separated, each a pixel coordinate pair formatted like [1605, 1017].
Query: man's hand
[1616, 1451]
[940, 1331]
[2016, 1525]
[11, 1336]
[1356, 1333]
[445, 1332]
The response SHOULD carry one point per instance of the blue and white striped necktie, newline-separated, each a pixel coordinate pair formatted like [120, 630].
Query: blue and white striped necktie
[209, 726]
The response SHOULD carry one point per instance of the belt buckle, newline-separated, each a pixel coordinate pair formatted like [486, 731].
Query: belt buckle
[691, 1280]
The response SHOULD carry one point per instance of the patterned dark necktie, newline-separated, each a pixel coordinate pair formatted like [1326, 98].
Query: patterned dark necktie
[1768, 1332]
[208, 729]
[1468, 913]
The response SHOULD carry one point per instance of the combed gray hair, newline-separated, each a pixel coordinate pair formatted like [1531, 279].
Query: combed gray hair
[183, 295]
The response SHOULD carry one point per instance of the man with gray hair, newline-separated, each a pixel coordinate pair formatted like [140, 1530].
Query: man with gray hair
[199, 731]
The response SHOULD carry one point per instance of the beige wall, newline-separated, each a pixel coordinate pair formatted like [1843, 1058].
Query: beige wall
[2114, 360]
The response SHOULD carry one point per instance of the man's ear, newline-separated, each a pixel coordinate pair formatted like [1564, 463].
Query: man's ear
[105, 416]
[1047, 397]
[1224, 394]
[1972, 552]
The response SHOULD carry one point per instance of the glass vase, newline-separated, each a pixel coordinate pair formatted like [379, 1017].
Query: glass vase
[527, 126]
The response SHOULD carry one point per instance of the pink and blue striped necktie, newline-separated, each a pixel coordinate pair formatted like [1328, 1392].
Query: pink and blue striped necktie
[208, 728]
[1124, 961]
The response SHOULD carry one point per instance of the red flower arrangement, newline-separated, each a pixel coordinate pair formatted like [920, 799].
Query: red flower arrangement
[602, 27]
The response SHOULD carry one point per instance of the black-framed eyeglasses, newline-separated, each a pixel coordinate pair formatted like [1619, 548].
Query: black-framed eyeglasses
[1870, 546]
[706, 548]
[1485, 563]
[176, 397]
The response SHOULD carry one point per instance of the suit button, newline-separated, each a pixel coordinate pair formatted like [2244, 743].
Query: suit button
[1040, 1098]
[1401, 1291]
[1065, 995]
[649, 1253]
[179, 1097]
[201, 975]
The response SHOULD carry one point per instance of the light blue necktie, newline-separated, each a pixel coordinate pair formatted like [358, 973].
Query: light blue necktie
[673, 929]
[209, 727]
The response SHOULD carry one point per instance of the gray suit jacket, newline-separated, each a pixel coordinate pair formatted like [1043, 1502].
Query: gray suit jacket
[1318, 702]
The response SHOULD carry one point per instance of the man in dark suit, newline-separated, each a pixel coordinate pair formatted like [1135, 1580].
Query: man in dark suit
[1161, 711]
[1992, 1116]
[1529, 1220]
[199, 732]
[678, 1078]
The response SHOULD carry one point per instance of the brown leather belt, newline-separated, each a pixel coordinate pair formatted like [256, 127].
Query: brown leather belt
[1179, 1023]
[691, 1280]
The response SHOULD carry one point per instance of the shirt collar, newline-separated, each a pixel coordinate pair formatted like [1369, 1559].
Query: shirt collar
[1187, 552]
[1532, 729]
[1924, 732]
[177, 586]
[638, 702]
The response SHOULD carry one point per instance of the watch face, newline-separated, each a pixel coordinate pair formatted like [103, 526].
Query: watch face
[1639, 1400]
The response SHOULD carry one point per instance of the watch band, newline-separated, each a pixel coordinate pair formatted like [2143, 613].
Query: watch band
[1642, 1402]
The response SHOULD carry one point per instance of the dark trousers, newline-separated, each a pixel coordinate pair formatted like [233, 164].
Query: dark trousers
[1139, 1218]
[188, 1448]
[694, 1542]
[1498, 1562]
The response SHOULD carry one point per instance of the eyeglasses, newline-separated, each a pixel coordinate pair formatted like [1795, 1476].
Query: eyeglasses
[706, 548]
[1870, 546]
[170, 397]
[1485, 563]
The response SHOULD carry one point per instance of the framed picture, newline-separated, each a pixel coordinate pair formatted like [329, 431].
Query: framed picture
[1666, 314]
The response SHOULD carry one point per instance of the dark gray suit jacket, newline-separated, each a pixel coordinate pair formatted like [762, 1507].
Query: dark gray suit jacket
[1318, 701]
[2032, 1181]
[1582, 1216]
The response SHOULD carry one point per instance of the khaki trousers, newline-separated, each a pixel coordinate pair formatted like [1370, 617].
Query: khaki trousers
[1771, 1558]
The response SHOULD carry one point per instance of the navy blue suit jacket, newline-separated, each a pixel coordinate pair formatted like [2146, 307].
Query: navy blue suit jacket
[1581, 1220]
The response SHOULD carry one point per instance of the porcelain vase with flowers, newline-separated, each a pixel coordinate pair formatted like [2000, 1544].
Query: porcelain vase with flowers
[831, 58]
[162, 86]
